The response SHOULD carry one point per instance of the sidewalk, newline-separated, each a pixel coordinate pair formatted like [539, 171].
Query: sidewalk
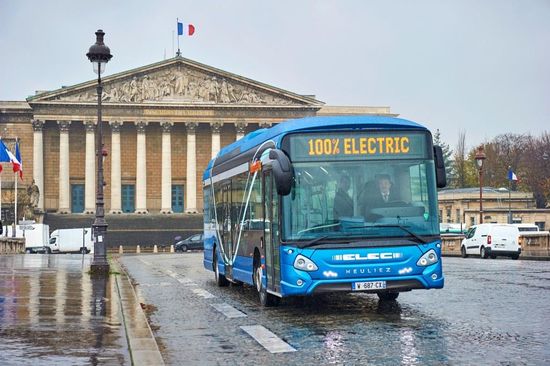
[52, 312]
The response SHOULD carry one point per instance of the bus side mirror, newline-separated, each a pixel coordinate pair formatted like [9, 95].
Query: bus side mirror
[282, 171]
[440, 176]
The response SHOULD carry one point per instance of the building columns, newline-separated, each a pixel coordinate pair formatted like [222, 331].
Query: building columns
[141, 168]
[90, 171]
[191, 186]
[166, 170]
[216, 127]
[38, 161]
[116, 182]
[241, 129]
[64, 183]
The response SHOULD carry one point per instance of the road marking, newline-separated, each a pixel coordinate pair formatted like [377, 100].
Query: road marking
[186, 281]
[145, 262]
[267, 339]
[203, 293]
[228, 310]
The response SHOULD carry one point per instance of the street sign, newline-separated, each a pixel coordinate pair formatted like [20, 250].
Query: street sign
[26, 227]
[27, 222]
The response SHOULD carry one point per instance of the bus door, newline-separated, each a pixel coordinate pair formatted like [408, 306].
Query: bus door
[271, 232]
[226, 227]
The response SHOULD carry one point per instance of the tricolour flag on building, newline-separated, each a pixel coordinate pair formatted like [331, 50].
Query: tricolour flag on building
[185, 29]
[4, 157]
[512, 176]
[16, 160]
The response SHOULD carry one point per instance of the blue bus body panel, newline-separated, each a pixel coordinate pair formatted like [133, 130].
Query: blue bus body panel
[277, 132]
[344, 266]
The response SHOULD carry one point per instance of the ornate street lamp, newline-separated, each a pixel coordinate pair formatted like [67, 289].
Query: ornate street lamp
[480, 156]
[99, 55]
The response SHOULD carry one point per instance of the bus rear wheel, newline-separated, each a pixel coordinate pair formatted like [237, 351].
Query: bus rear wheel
[221, 281]
[266, 299]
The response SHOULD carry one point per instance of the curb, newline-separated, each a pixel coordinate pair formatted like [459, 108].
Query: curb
[142, 345]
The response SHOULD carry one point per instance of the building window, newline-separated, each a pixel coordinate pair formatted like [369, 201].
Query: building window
[77, 198]
[128, 198]
[540, 224]
[177, 198]
[440, 216]
[472, 220]
[458, 218]
[448, 213]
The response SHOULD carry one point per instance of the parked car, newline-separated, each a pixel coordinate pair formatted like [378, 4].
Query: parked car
[192, 242]
[491, 240]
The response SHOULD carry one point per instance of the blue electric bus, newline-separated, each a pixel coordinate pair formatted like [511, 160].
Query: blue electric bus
[297, 209]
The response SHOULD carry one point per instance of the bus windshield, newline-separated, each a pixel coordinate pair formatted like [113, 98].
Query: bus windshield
[341, 200]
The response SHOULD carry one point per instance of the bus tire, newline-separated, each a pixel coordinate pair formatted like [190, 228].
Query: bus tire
[463, 252]
[266, 299]
[221, 281]
[387, 296]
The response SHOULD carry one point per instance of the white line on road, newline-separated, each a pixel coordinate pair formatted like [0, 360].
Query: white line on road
[186, 281]
[267, 339]
[145, 262]
[228, 310]
[203, 293]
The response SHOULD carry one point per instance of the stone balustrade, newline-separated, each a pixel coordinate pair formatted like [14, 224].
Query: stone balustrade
[12, 245]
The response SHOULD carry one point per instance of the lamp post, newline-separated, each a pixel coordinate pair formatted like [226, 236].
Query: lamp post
[99, 55]
[480, 156]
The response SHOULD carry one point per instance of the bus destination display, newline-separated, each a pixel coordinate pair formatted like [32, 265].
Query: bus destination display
[359, 145]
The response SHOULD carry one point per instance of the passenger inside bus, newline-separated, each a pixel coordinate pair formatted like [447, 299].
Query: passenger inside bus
[343, 204]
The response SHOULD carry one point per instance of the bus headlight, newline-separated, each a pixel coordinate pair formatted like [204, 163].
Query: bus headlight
[430, 257]
[304, 264]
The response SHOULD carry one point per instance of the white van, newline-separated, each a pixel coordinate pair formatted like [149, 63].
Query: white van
[77, 240]
[491, 240]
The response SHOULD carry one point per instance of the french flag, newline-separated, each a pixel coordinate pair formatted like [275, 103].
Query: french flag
[16, 160]
[4, 156]
[185, 29]
[512, 176]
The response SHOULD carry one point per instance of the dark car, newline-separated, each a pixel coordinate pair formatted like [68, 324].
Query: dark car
[192, 242]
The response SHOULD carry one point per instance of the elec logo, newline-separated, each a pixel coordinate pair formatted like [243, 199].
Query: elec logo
[370, 256]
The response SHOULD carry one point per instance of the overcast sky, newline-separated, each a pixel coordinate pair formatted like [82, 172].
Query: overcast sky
[479, 66]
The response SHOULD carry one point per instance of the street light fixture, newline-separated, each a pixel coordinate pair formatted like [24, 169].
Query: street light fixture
[480, 156]
[99, 55]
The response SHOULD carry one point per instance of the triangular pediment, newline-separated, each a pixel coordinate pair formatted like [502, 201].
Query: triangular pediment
[180, 81]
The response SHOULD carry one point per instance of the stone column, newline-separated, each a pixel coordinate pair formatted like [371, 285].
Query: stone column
[166, 171]
[141, 168]
[116, 183]
[38, 161]
[191, 186]
[241, 129]
[216, 127]
[64, 183]
[90, 171]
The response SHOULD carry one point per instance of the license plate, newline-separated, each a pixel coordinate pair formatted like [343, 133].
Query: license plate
[371, 285]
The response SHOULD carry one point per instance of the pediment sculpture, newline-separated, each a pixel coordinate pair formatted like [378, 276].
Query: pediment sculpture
[179, 85]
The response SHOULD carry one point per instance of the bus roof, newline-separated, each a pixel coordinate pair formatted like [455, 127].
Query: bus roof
[277, 132]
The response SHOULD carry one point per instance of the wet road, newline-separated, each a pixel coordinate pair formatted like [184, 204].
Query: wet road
[491, 312]
[53, 313]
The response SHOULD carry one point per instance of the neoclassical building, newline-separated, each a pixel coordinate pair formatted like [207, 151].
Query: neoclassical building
[162, 123]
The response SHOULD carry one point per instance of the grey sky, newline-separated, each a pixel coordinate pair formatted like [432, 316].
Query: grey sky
[480, 66]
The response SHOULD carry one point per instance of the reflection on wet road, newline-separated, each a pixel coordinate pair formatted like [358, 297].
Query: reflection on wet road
[490, 312]
[53, 313]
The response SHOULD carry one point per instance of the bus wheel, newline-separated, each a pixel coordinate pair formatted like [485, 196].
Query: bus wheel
[387, 296]
[221, 281]
[266, 299]
[463, 252]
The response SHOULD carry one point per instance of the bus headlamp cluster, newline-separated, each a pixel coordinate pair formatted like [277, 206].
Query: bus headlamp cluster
[429, 258]
[304, 264]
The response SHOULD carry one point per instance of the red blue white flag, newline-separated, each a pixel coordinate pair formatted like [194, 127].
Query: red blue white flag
[512, 176]
[185, 29]
[16, 160]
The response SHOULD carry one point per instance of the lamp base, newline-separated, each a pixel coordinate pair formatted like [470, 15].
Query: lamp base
[99, 269]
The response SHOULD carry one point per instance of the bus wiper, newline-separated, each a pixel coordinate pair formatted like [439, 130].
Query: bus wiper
[312, 242]
[416, 236]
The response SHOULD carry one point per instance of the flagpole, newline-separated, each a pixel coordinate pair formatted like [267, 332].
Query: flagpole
[15, 217]
[179, 53]
[509, 196]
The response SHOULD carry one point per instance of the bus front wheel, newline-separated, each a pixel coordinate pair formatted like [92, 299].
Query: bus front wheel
[388, 296]
[221, 281]
[266, 299]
